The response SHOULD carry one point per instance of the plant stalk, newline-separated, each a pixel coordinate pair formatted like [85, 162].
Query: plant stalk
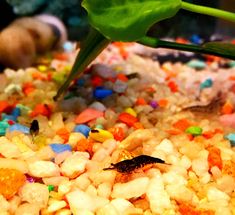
[229, 16]
[157, 43]
[90, 49]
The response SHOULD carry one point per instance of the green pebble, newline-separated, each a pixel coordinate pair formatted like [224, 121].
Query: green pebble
[197, 64]
[24, 110]
[99, 126]
[3, 127]
[232, 63]
[194, 130]
[50, 188]
[59, 77]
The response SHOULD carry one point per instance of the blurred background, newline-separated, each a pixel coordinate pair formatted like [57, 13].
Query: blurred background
[74, 17]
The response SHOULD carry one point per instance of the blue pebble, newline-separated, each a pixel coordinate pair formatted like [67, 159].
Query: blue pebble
[196, 39]
[80, 82]
[84, 129]
[58, 148]
[206, 84]
[101, 93]
[8, 117]
[231, 138]
[68, 46]
[19, 127]
[16, 112]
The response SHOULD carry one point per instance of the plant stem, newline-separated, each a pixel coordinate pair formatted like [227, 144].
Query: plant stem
[90, 49]
[229, 16]
[157, 43]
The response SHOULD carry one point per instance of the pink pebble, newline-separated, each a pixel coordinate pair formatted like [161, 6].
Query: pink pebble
[88, 115]
[228, 120]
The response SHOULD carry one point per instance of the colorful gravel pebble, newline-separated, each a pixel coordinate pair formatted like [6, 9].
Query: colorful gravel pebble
[126, 139]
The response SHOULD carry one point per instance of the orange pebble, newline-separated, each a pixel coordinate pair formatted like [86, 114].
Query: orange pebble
[182, 124]
[122, 77]
[186, 209]
[140, 101]
[227, 108]
[85, 145]
[214, 157]
[63, 133]
[138, 125]
[118, 133]
[174, 131]
[41, 109]
[127, 119]
[88, 115]
[39, 76]
[28, 88]
[10, 182]
[208, 134]
[162, 102]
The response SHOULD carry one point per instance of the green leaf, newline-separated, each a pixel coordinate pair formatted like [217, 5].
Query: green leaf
[224, 49]
[94, 44]
[128, 20]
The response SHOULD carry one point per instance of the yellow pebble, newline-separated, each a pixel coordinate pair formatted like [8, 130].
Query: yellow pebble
[42, 68]
[100, 135]
[131, 111]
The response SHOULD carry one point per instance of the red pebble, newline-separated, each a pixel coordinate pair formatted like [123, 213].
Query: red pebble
[127, 119]
[173, 86]
[97, 81]
[88, 115]
[41, 109]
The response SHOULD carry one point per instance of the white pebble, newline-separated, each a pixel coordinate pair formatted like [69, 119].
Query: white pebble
[131, 189]
[121, 205]
[165, 146]
[108, 209]
[214, 194]
[185, 162]
[55, 181]
[104, 190]
[8, 149]
[179, 192]
[57, 121]
[75, 164]
[63, 212]
[26, 209]
[158, 197]
[56, 205]
[98, 106]
[64, 187]
[35, 193]
[200, 166]
[172, 177]
[43, 169]
[79, 200]
[14, 164]
[4, 204]
[82, 182]
[91, 190]
[74, 137]
[102, 176]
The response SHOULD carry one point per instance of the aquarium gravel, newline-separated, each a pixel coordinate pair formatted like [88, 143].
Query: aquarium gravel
[135, 134]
